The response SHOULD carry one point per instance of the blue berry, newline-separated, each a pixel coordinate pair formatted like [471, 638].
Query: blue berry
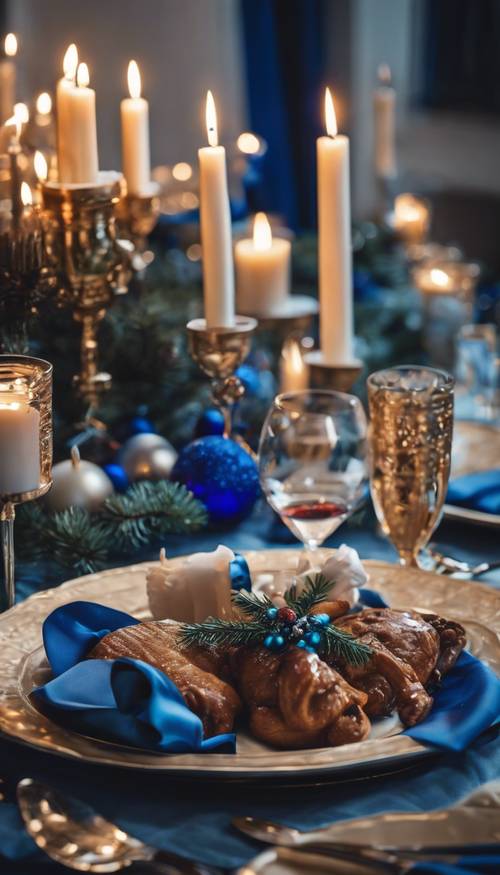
[274, 642]
[319, 620]
[301, 643]
[313, 638]
[310, 650]
[272, 613]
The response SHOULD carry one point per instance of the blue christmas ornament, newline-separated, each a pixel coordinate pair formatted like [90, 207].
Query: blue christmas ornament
[313, 638]
[319, 620]
[117, 476]
[274, 641]
[220, 474]
[272, 613]
[210, 422]
[250, 378]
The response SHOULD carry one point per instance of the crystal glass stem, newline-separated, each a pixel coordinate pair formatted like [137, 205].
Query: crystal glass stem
[7, 516]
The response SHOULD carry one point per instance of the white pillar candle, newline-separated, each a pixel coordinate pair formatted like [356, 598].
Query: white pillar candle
[19, 442]
[135, 135]
[262, 270]
[8, 78]
[215, 221]
[384, 107]
[294, 372]
[334, 232]
[77, 145]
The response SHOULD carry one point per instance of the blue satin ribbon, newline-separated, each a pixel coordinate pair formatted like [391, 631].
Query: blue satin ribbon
[123, 700]
[479, 491]
[239, 573]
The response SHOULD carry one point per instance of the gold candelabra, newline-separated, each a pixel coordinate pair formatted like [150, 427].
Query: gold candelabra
[219, 352]
[323, 375]
[82, 249]
[137, 214]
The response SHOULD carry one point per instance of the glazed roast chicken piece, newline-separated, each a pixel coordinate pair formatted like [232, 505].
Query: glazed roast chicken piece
[214, 700]
[296, 700]
[410, 651]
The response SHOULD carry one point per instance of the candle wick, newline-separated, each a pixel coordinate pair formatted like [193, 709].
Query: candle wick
[75, 456]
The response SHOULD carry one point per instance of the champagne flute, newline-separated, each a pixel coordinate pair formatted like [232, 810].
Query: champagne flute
[411, 425]
[312, 461]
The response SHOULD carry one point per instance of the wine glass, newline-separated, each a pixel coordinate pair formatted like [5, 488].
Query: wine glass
[312, 461]
[411, 424]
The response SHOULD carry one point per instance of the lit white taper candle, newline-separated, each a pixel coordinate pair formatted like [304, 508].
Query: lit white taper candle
[78, 158]
[215, 220]
[262, 270]
[64, 87]
[384, 107]
[135, 134]
[8, 78]
[334, 231]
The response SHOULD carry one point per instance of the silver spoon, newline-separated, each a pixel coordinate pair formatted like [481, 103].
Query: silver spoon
[72, 834]
[448, 565]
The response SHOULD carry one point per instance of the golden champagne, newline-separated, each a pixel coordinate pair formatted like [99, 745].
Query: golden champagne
[411, 411]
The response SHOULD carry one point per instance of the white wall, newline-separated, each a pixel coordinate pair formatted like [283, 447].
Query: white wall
[183, 47]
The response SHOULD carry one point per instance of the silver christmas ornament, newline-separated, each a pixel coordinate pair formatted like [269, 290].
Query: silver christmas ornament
[76, 482]
[147, 457]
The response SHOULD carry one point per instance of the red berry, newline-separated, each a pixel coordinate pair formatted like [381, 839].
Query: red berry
[287, 615]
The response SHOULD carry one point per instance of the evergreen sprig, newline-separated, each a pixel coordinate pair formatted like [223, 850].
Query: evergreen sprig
[221, 633]
[316, 590]
[342, 644]
[252, 604]
[84, 542]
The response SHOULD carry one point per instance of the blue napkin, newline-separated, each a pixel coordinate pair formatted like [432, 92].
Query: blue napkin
[479, 491]
[487, 864]
[121, 700]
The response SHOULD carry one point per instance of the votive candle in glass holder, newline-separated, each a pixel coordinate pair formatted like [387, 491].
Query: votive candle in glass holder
[412, 218]
[25, 447]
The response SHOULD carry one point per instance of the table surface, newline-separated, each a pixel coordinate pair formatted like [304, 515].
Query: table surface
[193, 819]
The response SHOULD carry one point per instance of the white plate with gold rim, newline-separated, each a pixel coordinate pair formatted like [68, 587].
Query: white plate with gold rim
[22, 667]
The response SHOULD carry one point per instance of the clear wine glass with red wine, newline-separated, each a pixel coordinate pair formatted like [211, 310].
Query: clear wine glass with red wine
[312, 461]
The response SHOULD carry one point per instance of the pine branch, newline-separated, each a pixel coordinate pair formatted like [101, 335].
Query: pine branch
[345, 646]
[316, 590]
[253, 605]
[152, 510]
[221, 633]
[77, 541]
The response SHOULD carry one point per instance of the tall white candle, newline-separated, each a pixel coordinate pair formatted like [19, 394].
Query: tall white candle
[262, 270]
[384, 107]
[334, 231]
[64, 87]
[215, 221]
[19, 442]
[78, 159]
[8, 78]
[135, 134]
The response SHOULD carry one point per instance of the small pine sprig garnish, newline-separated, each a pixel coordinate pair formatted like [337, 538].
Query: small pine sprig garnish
[221, 633]
[337, 642]
[315, 591]
[252, 604]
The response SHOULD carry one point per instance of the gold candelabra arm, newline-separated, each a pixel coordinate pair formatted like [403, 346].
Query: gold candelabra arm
[7, 592]
[137, 214]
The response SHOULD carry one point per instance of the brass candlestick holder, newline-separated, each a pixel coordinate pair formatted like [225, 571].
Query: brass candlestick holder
[25, 448]
[137, 214]
[323, 375]
[219, 352]
[91, 266]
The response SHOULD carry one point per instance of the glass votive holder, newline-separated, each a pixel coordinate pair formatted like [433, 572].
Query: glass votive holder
[448, 290]
[476, 372]
[25, 447]
[412, 218]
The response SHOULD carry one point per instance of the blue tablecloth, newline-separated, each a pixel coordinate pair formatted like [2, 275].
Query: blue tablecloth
[194, 820]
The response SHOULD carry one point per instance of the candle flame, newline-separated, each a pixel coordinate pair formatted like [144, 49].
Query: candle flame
[26, 196]
[211, 118]
[439, 277]
[10, 45]
[22, 113]
[248, 143]
[40, 164]
[384, 74]
[82, 76]
[44, 103]
[70, 62]
[134, 79]
[330, 117]
[262, 236]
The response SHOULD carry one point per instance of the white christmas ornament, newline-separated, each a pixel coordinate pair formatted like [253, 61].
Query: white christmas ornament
[78, 483]
[148, 457]
[199, 588]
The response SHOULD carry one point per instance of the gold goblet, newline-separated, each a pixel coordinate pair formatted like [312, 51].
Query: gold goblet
[411, 413]
[219, 352]
[25, 447]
